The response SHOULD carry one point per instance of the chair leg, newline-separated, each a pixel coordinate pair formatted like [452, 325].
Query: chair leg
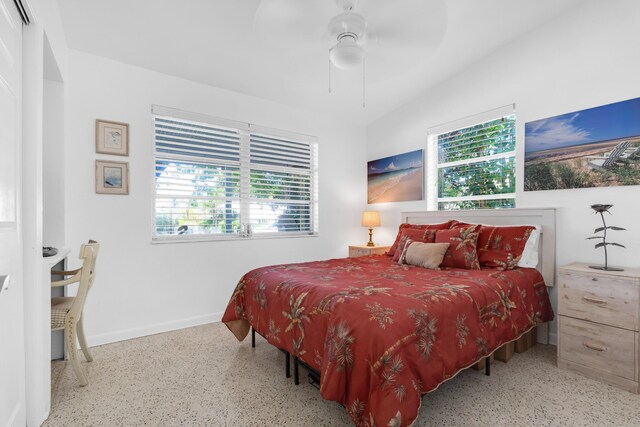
[70, 336]
[83, 340]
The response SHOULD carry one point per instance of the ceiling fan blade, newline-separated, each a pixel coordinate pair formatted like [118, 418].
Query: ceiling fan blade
[406, 22]
[293, 22]
[416, 38]
[398, 40]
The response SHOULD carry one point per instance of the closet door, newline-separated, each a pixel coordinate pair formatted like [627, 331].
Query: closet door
[12, 375]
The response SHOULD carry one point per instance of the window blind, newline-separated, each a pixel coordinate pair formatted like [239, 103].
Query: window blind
[476, 165]
[220, 178]
[281, 184]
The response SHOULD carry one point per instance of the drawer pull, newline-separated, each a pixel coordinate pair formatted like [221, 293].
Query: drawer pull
[594, 279]
[594, 300]
[594, 347]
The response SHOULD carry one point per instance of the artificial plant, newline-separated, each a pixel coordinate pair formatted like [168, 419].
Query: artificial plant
[601, 209]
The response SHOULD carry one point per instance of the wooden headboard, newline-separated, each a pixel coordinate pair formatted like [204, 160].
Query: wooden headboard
[546, 218]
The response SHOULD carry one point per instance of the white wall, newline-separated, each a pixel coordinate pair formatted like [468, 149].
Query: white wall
[53, 162]
[144, 288]
[586, 58]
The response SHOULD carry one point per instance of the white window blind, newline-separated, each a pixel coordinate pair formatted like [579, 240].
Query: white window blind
[281, 187]
[474, 166]
[222, 179]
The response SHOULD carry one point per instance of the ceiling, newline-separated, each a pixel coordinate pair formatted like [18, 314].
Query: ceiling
[230, 44]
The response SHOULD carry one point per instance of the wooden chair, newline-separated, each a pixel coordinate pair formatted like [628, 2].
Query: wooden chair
[610, 158]
[66, 312]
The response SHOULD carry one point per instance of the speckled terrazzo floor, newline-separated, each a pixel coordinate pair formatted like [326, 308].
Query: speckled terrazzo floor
[203, 377]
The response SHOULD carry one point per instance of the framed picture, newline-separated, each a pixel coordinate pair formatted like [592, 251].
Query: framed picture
[112, 177]
[396, 178]
[597, 147]
[112, 138]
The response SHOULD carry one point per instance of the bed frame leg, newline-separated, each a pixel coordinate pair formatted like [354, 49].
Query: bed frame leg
[487, 366]
[287, 367]
[296, 373]
[253, 337]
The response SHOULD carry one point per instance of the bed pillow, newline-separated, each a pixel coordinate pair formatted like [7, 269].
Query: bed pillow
[426, 255]
[462, 252]
[414, 235]
[459, 224]
[502, 246]
[394, 247]
[530, 256]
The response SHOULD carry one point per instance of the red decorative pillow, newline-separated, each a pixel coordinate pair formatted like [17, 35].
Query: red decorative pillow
[414, 235]
[459, 224]
[502, 247]
[394, 247]
[462, 252]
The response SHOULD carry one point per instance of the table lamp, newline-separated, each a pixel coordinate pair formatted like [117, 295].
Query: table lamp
[371, 219]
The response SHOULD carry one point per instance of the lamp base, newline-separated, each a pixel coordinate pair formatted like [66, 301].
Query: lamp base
[370, 243]
[600, 267]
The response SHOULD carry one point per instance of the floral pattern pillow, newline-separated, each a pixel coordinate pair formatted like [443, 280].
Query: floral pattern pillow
[462, 252]
[413, 235]
[394, 247]
[502, 247]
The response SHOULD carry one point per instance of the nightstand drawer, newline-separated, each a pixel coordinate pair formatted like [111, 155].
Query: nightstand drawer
[599, 298]
[605, 348]
[356, 251]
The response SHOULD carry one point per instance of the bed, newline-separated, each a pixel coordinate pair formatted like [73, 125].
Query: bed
[380, 334]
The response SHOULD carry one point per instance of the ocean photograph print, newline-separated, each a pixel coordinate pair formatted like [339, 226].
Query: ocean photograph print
[397, 178]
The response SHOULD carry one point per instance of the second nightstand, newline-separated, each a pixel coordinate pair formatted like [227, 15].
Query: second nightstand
[364, 250]
[598, 324]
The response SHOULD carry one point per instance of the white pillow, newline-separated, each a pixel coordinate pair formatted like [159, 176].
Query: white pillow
[530, 257]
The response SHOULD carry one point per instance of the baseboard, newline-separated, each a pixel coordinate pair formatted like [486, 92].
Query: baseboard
[127, 334]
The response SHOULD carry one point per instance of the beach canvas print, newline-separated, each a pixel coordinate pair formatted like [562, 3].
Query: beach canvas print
[598, 147]
[396, 179]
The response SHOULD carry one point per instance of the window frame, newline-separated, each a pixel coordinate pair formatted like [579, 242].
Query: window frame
[433, 165]
[245, 200]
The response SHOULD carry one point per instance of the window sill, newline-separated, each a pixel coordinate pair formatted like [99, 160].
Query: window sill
[225, 238]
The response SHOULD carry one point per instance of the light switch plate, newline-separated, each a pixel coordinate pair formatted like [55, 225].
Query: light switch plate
[4, 283]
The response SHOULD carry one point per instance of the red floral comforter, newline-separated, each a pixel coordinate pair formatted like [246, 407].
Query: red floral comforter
[382, 334]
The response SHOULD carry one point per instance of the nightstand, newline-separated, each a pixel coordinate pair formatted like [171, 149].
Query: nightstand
[364, 250]
[598, 323]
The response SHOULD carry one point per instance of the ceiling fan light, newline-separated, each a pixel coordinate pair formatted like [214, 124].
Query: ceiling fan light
[347, 54]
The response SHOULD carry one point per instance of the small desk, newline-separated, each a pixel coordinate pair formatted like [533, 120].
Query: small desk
[53, 260]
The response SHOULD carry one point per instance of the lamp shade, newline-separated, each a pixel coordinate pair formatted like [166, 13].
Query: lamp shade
[371, 219]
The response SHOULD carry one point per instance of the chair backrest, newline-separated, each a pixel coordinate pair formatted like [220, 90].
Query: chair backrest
[96, 249]
[88, 255]
[616, 153]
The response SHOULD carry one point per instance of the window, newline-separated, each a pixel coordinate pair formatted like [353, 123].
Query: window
[223, 179]
[473, 167]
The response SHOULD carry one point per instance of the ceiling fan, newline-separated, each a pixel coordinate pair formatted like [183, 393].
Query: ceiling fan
[348, 30]
[391, 36]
